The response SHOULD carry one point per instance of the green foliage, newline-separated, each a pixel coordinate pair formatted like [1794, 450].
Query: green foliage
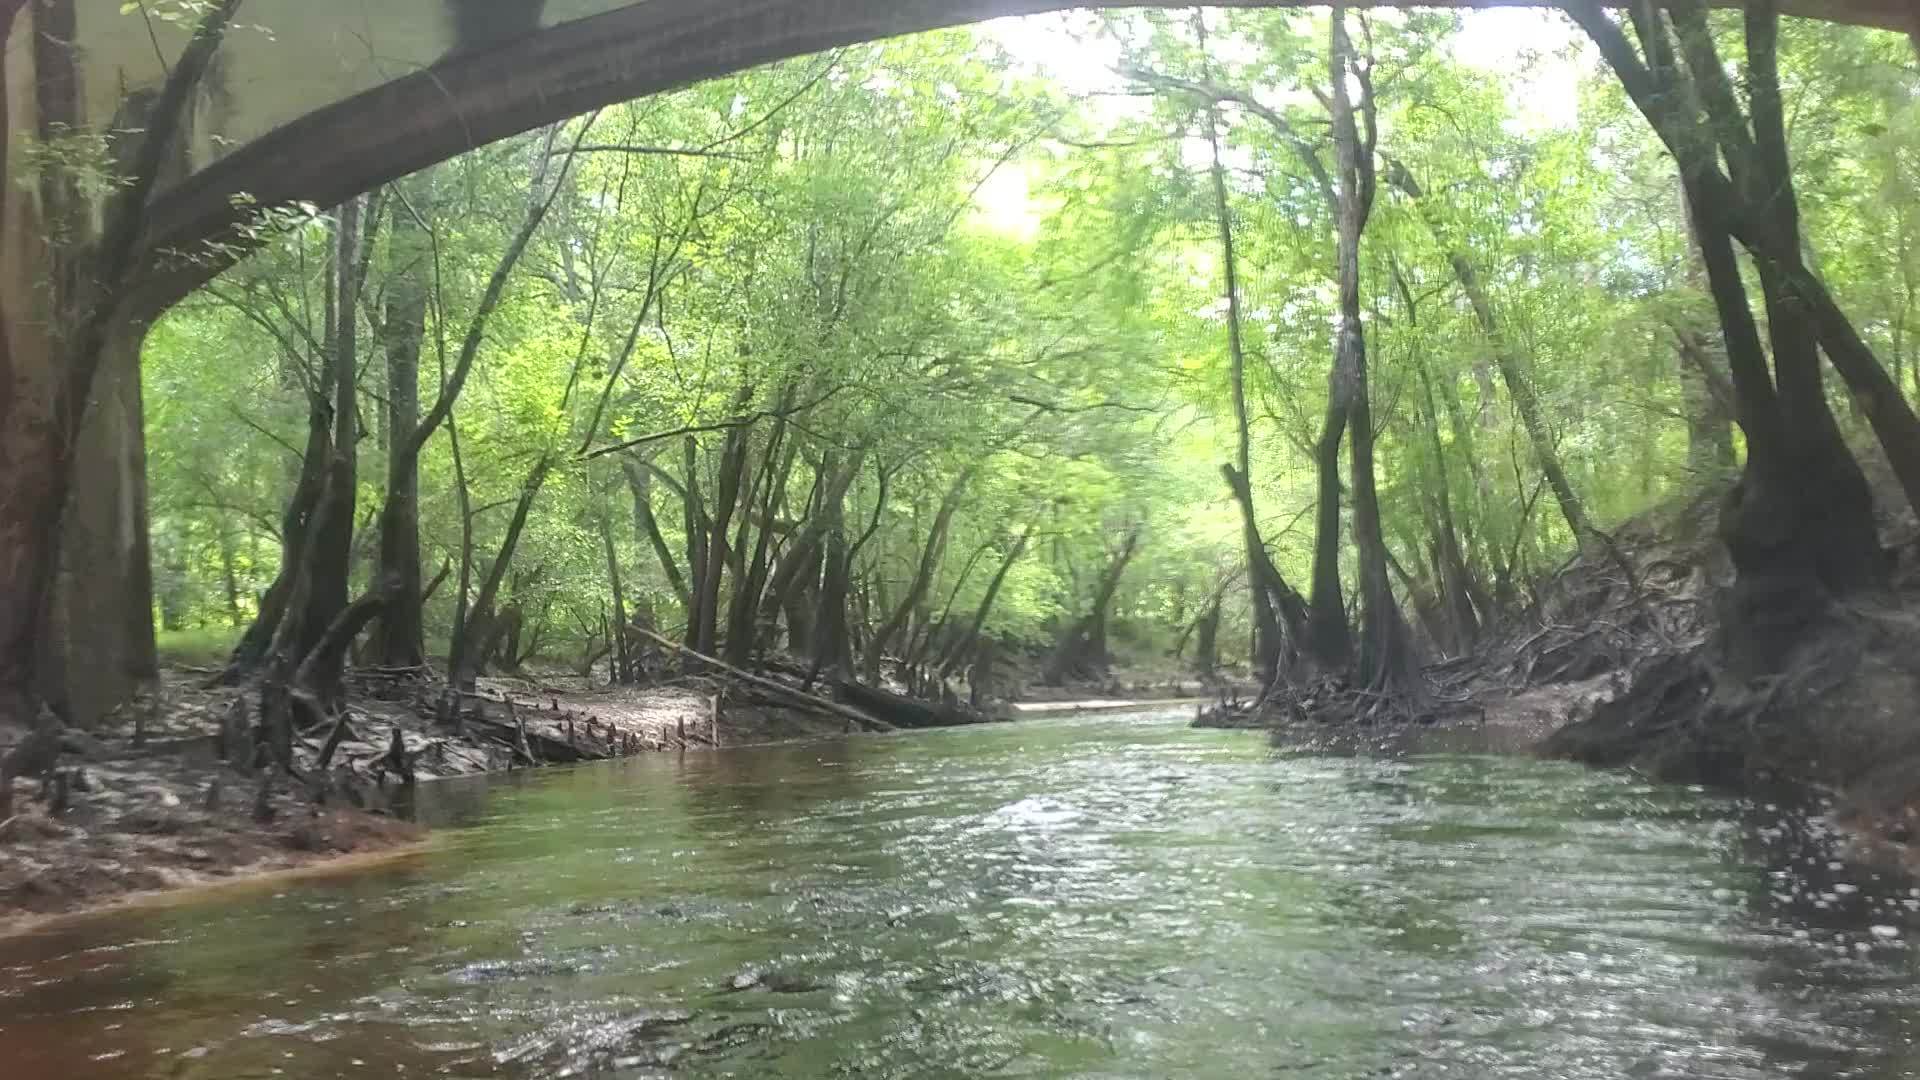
[798, 254]
[206, 646]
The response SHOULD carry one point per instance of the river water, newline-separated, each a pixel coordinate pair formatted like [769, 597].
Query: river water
[1101, 896]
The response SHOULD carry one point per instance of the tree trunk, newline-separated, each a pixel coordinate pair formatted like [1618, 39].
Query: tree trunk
[310, 589]
[799, 607]
[1704, 386]
[296, 522]
[1328, 640]
[98, 639]
[744, 629]
[832, 650]
[622, 662]
[833, 641]
[468, 633]
[963, 646]
[229, 577]
[1082, 652]
[400, 641]
[1519, 384]
[703, 622]
[1797, 298]
[1287, 609]
[1456, 586]
[1706, 397]
[65, 312]
[694, 513]
[803, 551]
[930, 555]
[1206, 640]
[1461, 599]
[321, 671]
[331, 553]
[640, 484]
[1484, 547]
[1268, 642]
[1388, 662]
[1799, 526]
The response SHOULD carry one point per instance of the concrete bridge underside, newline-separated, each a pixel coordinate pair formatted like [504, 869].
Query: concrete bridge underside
[508, 79]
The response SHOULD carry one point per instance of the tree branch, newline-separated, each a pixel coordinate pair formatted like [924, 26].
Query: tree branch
[1301, 148]
[496, 286]
[654, 151]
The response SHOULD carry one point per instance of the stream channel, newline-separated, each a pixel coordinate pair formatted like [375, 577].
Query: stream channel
[1102, 896]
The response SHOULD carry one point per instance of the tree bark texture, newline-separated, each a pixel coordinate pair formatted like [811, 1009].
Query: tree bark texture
[400, 641]
[1387, 659]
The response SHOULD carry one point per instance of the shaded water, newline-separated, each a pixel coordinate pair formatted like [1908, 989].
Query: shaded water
[1109, 896]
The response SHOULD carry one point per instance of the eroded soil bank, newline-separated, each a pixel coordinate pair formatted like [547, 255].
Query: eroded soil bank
[1619, 666]
[149, 803]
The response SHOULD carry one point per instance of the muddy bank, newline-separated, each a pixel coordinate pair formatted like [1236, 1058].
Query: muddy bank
[1620, 666]
[1841, 716]
[143, 824]
[149, 801]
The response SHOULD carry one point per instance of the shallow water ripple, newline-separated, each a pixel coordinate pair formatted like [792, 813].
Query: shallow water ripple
[1114, 896]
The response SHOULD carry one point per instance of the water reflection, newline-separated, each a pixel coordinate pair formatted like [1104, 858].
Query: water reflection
[1110, 896]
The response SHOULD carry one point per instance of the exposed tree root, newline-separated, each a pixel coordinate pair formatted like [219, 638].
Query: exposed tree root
[1625, 668]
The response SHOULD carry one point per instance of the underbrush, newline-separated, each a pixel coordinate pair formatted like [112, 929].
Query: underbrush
[200, 646]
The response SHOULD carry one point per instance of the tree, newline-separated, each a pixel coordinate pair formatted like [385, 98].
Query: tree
[1800, 525]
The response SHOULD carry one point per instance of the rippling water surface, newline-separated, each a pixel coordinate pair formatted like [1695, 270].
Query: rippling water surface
[1112, 896]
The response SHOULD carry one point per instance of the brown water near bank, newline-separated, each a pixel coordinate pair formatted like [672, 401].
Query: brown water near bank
[138, 811]
[217, 889]
[145, 804]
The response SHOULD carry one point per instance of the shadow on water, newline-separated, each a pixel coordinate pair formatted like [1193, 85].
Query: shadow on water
[1113, 896]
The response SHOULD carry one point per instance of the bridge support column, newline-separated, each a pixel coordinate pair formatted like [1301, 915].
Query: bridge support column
[75, 627]
[98, 644]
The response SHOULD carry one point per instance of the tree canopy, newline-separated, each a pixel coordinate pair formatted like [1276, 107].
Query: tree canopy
[907, 354]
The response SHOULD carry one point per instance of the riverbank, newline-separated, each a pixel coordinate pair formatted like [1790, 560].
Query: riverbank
[148, 802]
[1020, 710]
[1619, 666]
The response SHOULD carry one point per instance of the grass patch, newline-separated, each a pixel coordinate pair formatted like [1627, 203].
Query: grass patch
[202, 646]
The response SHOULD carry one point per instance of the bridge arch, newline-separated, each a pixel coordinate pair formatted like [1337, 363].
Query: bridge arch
[511, 83]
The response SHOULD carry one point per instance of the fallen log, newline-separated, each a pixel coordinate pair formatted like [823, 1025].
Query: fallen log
[870, 723]
[903, 711]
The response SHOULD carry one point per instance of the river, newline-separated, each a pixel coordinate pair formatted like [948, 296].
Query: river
[1111, 896]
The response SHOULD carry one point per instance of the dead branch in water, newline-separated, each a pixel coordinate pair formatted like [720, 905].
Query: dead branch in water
[871, 723]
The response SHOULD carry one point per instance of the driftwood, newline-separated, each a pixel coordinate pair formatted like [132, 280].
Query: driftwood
[903, 711]
[538, 747]
[870, 723]
[896, 709]
[520, 730]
